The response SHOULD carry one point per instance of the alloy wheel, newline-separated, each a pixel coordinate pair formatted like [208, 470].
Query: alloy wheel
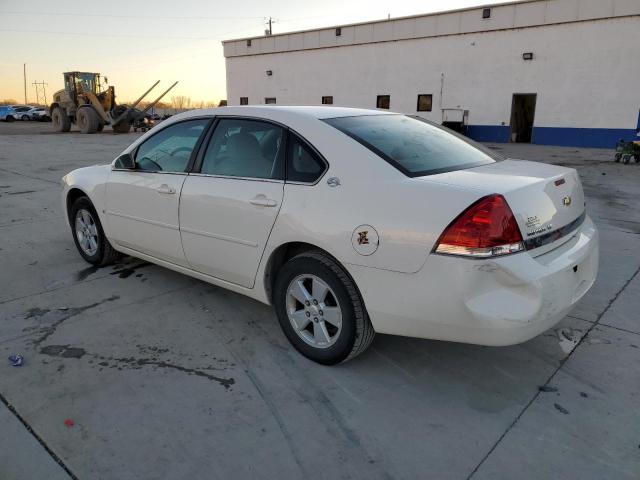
[86, 232]
[314, 311]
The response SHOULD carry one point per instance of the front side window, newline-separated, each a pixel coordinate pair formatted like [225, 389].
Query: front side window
[414, 146]
[303, 163]
[245, 148]
[170, 149]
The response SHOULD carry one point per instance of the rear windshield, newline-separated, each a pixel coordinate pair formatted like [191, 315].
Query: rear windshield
[414, 146]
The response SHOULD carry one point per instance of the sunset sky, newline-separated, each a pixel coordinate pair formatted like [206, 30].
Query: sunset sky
[136, 42]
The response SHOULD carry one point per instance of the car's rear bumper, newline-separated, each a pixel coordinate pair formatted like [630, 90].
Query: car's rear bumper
[503, 301]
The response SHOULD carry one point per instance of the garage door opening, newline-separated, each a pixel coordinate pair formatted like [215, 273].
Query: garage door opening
[523, 109]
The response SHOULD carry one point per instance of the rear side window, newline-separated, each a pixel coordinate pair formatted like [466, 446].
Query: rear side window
[303, 163]
[170, 149]
[416, 147]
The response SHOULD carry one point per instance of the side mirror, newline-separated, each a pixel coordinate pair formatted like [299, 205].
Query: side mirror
[125, 161]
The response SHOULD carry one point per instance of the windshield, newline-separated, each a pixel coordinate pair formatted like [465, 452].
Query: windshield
[87, 81]
[414, 146]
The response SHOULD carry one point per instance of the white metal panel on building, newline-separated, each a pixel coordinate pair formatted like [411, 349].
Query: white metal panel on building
[584, 70]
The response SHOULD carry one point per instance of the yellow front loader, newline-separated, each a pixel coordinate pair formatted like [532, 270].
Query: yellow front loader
[84, 102]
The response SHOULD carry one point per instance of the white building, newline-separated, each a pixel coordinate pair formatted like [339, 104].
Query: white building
[562, 72]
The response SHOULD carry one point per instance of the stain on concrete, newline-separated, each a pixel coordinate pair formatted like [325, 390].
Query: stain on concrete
[59, 316]
[85, 272]
[128, 271]
[132, 363]
[561, 409]
[63, 351]
[547, 388]
[36, 312]
[22, 192]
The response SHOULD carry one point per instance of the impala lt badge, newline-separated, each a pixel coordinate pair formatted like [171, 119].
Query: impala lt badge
[539, 230]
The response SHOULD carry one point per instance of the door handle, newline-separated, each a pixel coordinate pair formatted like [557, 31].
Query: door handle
[164, 188]
[262, 201]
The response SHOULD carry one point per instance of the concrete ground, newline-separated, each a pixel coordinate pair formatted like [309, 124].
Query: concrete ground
[164, 376]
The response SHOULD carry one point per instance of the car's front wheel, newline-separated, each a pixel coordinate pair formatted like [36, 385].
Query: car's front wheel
[320, 310]
[88, 234]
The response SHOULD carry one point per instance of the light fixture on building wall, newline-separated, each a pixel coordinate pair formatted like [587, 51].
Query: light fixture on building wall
[269, 73]
[527, 56]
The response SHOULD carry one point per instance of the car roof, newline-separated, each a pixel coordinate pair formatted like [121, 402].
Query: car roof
[281, 111]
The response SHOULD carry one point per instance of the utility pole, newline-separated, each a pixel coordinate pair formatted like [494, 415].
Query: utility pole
[268, 32]
[24, 75]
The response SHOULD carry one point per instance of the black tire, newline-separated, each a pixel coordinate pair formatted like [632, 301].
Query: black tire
[87, 120]
[122, 127]
[60, 120]
[25, 118]
[9, 118]
[617, 157]
[105, 253]
[356, 333]
[626, 158]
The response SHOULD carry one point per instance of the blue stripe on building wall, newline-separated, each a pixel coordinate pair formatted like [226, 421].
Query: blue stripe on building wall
[567, 137]
[581, 137]
[489, 133]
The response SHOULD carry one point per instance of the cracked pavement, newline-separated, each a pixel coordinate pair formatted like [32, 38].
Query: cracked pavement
[164, 376]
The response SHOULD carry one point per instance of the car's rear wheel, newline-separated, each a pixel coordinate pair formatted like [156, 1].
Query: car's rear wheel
[320, 310]
[25, 118]
[88, 234]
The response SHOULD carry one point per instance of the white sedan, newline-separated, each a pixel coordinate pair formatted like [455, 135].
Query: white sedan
[348, 222]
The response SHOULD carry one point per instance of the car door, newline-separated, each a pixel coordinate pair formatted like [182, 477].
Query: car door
[230, 202]
[142, 204]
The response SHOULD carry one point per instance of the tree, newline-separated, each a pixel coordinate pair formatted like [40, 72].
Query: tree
[181, 102]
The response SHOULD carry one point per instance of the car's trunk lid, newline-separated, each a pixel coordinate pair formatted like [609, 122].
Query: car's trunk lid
[547, 200]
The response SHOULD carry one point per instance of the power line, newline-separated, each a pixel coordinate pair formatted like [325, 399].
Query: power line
[95, 34]
[132, 17]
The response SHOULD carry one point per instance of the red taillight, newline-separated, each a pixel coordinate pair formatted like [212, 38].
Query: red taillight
[485, 229]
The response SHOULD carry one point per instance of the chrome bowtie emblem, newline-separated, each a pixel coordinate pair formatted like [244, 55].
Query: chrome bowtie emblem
[333, 182]
[566, 201]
